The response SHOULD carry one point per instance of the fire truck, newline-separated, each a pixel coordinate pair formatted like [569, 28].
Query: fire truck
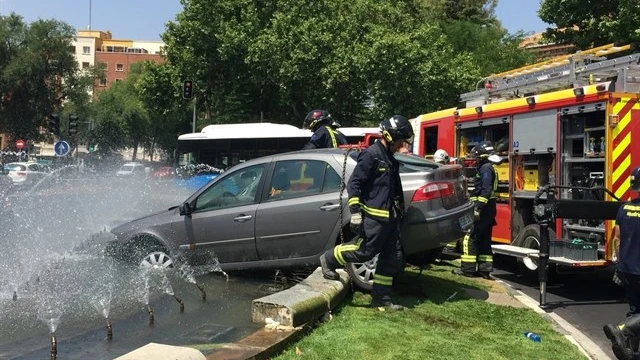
[572, 122]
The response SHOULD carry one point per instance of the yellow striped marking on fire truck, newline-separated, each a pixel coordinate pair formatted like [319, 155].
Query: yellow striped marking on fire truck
[621, 141]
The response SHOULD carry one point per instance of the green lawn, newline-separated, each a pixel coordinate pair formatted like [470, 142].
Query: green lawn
[432, 328]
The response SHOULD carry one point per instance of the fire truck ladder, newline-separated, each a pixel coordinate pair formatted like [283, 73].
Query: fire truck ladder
[571, 70]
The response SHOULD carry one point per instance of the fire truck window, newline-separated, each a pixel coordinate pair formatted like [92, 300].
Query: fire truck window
[430, 140]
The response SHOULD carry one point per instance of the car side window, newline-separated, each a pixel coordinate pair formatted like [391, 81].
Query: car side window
[33, 167]
[295, 178]
[235, 189]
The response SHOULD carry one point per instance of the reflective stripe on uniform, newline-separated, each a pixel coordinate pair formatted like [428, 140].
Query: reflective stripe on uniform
[354, 201]
[483, 199]
[382, 280]
[468, 258]
[485, 258]
[465, 244]
[334, 142]
[338, 250]
[473, 198]
[374, 211]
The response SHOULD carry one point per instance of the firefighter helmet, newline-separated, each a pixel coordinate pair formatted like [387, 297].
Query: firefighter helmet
[635, 178]
[397, 128]
[482, 150]
[316, 118]
[441, 157]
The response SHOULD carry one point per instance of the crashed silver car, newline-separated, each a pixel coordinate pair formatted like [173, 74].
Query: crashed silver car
[284, 211]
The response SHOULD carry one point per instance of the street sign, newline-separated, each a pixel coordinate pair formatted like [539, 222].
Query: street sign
[19, 143]
[61, 148]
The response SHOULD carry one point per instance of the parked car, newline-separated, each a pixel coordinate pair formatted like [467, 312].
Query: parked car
[163, 172]
[5, 181]
[131, 169]
[26, 172]
[283, 210]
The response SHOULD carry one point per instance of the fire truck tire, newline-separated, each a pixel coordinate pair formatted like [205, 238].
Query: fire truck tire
[530, 239]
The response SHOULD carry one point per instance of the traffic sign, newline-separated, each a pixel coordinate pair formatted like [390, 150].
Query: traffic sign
[61, 148]
[19, 143]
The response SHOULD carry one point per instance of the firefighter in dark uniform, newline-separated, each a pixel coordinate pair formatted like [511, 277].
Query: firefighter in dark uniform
[477, 257]
[626, 241]
[377, 206]
[325, 135]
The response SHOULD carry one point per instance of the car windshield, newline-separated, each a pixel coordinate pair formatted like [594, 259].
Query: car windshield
[15, 167]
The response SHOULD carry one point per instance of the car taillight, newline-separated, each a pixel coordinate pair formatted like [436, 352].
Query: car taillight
[432, 191]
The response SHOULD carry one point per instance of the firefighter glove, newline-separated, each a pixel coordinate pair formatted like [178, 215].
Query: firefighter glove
[476, 210]
[616, 278]
[356, 223]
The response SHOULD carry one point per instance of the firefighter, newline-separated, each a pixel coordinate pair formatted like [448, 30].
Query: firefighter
[325, 133]
[377, 206]
[477, 258]
[441, 157]
[627, 248]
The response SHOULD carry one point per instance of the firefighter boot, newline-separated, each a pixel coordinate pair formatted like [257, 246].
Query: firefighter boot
[381, 299]
[619, 342]
[464, 273]
[328, 272]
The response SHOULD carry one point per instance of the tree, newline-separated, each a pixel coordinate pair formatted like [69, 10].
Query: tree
[36, 60]
[589, 23]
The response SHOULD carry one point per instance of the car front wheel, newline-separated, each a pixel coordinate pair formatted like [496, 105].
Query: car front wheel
[362, 274]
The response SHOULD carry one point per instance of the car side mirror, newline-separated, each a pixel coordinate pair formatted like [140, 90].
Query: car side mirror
[185, 209]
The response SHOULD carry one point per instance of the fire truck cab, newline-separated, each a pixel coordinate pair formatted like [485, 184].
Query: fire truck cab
[573, 122]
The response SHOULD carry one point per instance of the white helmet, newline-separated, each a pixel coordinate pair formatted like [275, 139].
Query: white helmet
[441, 157]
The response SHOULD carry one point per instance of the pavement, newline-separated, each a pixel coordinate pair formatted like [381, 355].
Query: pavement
[291, 313]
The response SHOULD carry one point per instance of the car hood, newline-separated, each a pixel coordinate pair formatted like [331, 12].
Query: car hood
[146, 222]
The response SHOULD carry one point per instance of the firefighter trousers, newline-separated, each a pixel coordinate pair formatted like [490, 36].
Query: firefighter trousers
[381, 237]
[476, 246]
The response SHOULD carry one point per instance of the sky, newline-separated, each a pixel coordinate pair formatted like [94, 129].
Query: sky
[145, 19]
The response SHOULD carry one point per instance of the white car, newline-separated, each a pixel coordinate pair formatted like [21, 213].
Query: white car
[131, 169]
[26, 172]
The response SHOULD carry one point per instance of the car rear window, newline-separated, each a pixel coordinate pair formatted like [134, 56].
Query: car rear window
[408, 163]
[15, 167]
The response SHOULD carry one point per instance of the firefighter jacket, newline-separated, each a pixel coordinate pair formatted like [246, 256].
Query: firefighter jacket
[325, 137]
[485, 185]
[374, 187]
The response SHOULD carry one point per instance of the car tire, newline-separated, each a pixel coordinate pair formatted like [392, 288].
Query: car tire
[151, 255]
[531, 240]
[362, 274]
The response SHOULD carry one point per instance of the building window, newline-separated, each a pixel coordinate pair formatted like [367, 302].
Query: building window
[119, 67]
[118, 80]
[86, 50]
[103, 82]
[85, 65]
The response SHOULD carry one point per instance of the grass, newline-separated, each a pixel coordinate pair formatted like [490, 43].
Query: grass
[433, 327]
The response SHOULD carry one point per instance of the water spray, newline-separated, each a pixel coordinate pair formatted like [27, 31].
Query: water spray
[54, 346]
[180, 302]
[109, 330]
[204, 293]
[150, 311]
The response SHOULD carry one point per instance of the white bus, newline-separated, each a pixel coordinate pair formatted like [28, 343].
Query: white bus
[225, 145]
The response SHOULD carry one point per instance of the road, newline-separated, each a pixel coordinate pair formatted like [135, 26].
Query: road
[587, 300]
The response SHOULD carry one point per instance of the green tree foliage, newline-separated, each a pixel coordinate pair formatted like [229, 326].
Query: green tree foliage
[37, 65]
[589, 23]
[122, 119]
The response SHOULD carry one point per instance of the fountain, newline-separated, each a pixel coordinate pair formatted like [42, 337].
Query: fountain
[102, 303]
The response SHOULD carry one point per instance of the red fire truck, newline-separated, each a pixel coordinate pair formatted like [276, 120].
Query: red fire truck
[573, 122]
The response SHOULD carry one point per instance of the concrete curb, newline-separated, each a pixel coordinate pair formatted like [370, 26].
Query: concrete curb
[588, 348]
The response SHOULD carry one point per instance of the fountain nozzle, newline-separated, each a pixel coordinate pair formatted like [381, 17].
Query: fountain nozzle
[180, 302]
[54, 346]
[15, 295]
[109, 330]
[204, 293]
[150, 311]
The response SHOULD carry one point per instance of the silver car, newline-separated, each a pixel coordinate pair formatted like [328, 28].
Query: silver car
[283, 210]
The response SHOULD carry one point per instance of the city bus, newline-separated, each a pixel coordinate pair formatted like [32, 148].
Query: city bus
[225, 145]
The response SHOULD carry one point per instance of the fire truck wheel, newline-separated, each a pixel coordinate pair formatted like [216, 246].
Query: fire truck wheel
[531, 240]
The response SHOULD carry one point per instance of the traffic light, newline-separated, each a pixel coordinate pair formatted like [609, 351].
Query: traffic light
[54, 124]
[187, 89]
[73, 125]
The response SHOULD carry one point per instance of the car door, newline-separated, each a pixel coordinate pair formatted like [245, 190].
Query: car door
[223, 217]
[300, 212]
